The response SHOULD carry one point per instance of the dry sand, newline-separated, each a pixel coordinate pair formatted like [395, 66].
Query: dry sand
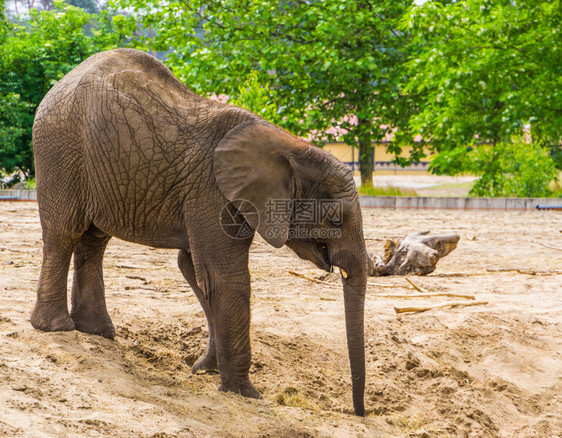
[492, 370]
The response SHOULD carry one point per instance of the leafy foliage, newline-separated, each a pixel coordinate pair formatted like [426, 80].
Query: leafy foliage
[257, 98]
[479, 81]
[513, 168]
[34, 55]
[326, 63]
[15, 129]
[88, 5]
[486, 72]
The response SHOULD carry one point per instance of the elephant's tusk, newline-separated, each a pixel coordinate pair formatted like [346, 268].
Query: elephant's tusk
[343, 273]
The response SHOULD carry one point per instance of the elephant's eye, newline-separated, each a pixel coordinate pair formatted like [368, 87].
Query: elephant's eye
[323, 249]
[321, 246]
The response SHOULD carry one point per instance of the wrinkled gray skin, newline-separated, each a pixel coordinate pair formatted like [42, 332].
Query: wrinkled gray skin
[122, 148]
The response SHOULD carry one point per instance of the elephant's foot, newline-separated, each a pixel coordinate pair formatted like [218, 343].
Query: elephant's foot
[207, 362]
[245, 389]
[94, 324]
[51, 319]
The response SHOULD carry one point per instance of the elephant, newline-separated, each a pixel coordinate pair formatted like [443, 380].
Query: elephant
[124, 149]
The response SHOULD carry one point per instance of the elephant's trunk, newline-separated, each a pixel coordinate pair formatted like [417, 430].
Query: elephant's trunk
[354, 301]
[354, 277]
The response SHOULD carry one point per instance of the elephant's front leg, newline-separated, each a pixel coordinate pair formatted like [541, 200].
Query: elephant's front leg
[220, 266]
[230, 307]
[209, 360]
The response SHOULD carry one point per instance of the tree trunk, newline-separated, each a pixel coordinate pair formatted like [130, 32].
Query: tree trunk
[365, 152]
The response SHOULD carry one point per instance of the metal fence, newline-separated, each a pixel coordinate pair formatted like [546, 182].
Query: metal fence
[18, 195]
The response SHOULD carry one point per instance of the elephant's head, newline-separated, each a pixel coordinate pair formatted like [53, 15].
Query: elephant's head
[307, 200]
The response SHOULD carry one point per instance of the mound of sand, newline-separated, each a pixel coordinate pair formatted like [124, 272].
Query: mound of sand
[492, 370]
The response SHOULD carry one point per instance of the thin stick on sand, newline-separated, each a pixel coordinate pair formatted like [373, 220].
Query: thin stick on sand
[438, 306]
[314, 280]
[418, 288]
[421, 295]
[387, 286]
[503, 269]
[529, 272]
[524, 271]
[327, 283]
[547, 245]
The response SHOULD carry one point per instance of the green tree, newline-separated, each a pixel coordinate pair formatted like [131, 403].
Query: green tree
[88, 5]
[34, 55]
[15, 128]
[257, 98]
[486, 72]
[513, 168]
[326, 63]
[3, 20]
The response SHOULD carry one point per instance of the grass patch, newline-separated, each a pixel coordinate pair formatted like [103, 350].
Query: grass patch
[449, 189]
[291, 396]
[389, 190]
[556, 186]
[30, 184]
[465, 185]
[399, 424]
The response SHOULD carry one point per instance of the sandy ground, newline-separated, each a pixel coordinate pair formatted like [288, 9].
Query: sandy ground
[482, 371]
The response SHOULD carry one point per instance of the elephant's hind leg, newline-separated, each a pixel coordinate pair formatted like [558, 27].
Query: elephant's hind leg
[209, 359]
[51, 309]
[88, 307]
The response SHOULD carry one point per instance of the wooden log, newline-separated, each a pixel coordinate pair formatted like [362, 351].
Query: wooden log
[417, 254]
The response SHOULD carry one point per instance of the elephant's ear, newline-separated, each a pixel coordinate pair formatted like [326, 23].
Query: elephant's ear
[250, 164]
